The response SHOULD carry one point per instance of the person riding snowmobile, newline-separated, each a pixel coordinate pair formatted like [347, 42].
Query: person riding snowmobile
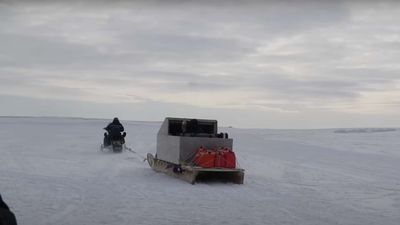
[114, 130]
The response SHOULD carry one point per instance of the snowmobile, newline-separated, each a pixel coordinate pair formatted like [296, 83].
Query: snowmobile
[114, 143]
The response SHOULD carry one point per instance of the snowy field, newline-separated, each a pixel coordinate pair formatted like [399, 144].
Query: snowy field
[52, 173]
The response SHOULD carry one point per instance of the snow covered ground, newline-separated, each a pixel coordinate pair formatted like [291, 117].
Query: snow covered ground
[51, 172]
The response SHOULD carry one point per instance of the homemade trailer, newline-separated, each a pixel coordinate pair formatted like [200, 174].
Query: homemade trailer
[179, 142]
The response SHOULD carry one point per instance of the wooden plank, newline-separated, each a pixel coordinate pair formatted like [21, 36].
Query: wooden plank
[213, 169]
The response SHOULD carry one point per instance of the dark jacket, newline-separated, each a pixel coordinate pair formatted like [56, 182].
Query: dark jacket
[6, 216]
[114, 128]
[3, 205]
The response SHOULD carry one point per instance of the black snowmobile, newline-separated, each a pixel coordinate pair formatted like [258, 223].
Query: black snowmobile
[114, 138]
[116, 143]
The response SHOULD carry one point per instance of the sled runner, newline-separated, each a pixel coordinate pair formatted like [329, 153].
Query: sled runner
[193, 174]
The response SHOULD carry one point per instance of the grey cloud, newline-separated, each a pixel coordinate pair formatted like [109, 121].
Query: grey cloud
[160, 38]
[345, 85]
[46, 91]
[27, 51]
[367, 74]
[35, 84]
[309, 89]
[188, 48]
[390, 46]
[184, 82]
[195, 86]
[12, 80]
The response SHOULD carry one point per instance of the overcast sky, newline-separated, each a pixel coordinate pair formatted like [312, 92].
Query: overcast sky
[271, 64]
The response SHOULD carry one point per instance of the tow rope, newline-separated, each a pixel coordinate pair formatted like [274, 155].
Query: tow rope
[140, 156]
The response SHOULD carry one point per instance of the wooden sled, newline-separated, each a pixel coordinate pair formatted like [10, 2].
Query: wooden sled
[193, 174]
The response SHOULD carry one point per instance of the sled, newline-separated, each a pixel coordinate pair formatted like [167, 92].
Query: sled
[178, 142]
[193, 174]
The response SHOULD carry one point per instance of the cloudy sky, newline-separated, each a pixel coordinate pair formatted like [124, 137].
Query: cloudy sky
[271, 64]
